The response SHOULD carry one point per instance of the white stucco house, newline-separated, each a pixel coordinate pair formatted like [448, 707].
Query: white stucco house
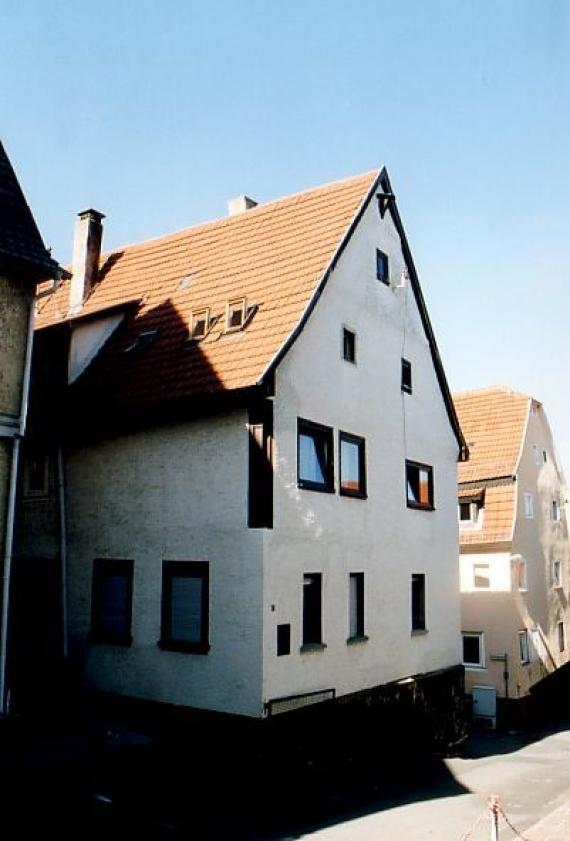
[515, 549]
[250, 459]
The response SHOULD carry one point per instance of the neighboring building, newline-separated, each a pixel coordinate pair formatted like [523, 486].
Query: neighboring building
[23, 261]
[515, 552]
[260, 460]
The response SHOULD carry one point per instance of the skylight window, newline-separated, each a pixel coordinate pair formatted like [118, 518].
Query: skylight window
[200, 323]
[235, 314]
[144, 338]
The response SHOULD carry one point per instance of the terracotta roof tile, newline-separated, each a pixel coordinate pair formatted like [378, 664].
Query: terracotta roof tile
[274, 254]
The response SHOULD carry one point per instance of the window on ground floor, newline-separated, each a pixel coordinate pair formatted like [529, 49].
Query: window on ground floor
[418, 602]
[312, 608]
[356, 605]
[185, 606]
[473, 649]
[111, 601]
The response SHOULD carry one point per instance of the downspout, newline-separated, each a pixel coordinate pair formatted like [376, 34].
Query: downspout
[62, 548]
[9, 543]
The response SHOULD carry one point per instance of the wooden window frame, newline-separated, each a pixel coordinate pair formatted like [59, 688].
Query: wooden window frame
[382, 267]
[103, 567]
[184, 569]
[306, 427]
[429, 506]
[406, 376]
[348, 438]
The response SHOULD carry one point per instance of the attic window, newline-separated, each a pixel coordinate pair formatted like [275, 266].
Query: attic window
[200, 323]
[144, 338]
[235, 314]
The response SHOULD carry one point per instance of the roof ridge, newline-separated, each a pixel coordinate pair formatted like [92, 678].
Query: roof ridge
[222, 221]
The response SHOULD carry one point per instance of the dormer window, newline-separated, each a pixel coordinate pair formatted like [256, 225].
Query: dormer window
[235, 314]
[200, 323]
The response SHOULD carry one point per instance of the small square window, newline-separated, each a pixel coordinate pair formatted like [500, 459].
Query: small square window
[356, 605]
[382, 267]
[528, 506]
[406, 376]
[111, 601]
[524, 649]
[473, 650]
[348, 345]
[561, 636]
[419, 485]
[185, 606]
[315, 456]
[557, 573]
[352, 465]
[418, 602]
[283, 640]
[481, 576]
[235, 314]
[200, 324]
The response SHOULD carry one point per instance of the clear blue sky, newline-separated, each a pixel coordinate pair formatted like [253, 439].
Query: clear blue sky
[156, 113]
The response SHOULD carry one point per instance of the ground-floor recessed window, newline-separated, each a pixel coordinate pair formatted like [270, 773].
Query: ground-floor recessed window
[185, 606]
[473, 652]
[356, 605]
[312, 607]
[418, 602]
[419, 485]
[111, 601]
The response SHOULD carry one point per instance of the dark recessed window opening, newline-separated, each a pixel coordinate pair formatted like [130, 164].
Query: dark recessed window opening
[352, 465]
[235, 314]
[312, 626]
[283, 640]
[561, 636]
[418, 602]
[112, 601]
[185, 606]
[473, 649]
[406, 376]
[382, 267]
[315, 456]
[465, 511]
[348, 345]
[419, 485]
[260, 466]
[356, 605]
[200, 324]
[36, 475]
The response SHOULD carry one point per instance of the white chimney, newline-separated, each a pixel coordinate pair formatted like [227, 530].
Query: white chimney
[240, 204]
[86, 253]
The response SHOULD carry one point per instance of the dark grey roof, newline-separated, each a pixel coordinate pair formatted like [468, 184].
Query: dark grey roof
[21, 245]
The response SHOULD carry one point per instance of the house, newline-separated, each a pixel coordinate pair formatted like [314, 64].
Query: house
[515, 552]
[23, 261]
[258, 447]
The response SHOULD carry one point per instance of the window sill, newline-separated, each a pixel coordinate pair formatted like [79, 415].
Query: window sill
[312, 647]
[357, 640]
[311, 486]
[419, 632]
[184, 647]
[471, 667]
[353, 494]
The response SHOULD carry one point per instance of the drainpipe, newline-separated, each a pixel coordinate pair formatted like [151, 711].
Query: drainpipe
[8, 546]
[62, 548]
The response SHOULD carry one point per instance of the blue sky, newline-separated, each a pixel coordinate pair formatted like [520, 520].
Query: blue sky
[157, 113]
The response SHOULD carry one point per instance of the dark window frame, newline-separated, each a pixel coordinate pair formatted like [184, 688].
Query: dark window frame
[349, 438]
[103, 567]
[312, 641]
[283, 639]
[260, 466]
[418, 610]
[382, 267]
[184, 569]
[480, 662]
[349, 345]
[308, 427]
[421, 506]
[360, 616]
[406, 376]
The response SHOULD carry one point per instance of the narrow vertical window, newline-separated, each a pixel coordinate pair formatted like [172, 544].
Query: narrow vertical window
[185, 606]
[524, 651]
[348, 345]
[382, 267]
[283, 640]
[315, 456]
[418, 602]
[521, 574]
[561, 636]
[557, 573]
[111, 601]
[260, 474]
[312, 620]
[352, 465]
[555, 511]
[528, 506]
[406, 376]
[356, 605]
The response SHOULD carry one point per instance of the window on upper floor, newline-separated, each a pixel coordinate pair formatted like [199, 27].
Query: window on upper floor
[536, 454]
[36, 475]
[557, 573]
[521, 574]
[185, 606]
[352, 465]
[315, 464]
[355, 606]
[418, 602]
[473, 649]
[348, 345]
[419, 485]
[555, 511]
[524, 647]
[111, 601]
[481, 576]
[382, 267]
[406, 376]
[561, 636]
[544, 456]
[312, 610]
[528, 506]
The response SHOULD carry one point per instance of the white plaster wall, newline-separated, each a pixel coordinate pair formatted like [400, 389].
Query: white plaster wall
[171, 493]
[500, 578]
[380, 536]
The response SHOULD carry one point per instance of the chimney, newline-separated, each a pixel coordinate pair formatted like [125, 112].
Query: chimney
[86, 252]
[240, 204]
